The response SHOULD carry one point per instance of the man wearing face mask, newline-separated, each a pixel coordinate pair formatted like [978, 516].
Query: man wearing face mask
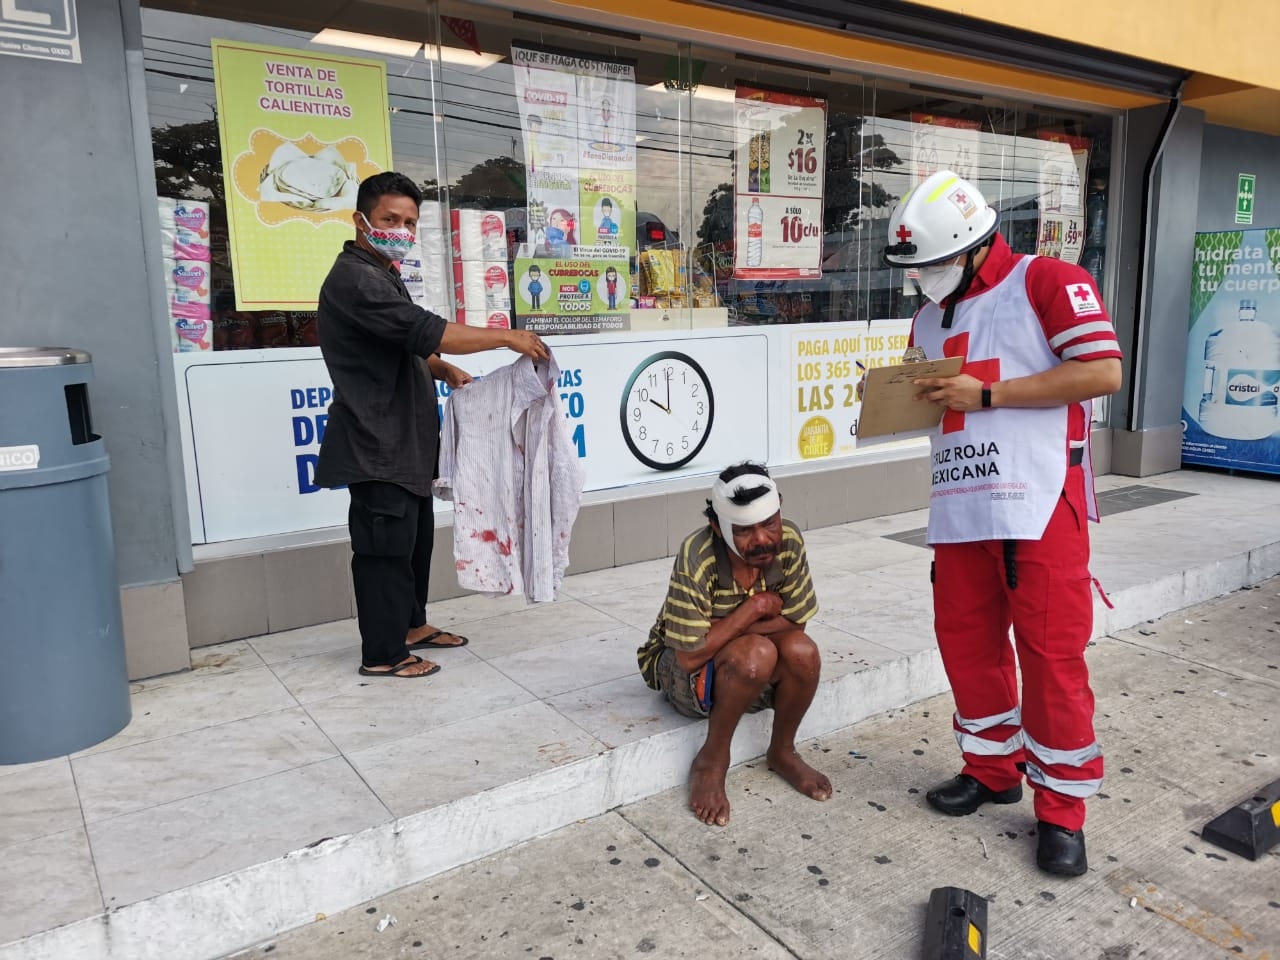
[383, 433]
[730, 637]
[1012, 494]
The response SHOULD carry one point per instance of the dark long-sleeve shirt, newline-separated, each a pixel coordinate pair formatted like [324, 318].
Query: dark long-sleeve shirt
[383, 422]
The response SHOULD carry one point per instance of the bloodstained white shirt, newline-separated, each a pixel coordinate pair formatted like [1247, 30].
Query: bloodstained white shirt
[508, 463]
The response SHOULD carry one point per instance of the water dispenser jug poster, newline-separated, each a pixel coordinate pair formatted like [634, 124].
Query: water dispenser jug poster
[780, 175]
[1231, 395]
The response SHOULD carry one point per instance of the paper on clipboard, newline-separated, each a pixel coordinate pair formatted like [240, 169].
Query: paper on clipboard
[889, 406]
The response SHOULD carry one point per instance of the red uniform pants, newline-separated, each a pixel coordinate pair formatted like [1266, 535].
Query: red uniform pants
[1048, 601]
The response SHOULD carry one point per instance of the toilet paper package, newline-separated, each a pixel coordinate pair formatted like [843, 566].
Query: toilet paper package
[187, 291]
[192, 336]
[478, 234]
[493, 319]
[482, 285]
[184, 229]
[425, 271]
[187, 281]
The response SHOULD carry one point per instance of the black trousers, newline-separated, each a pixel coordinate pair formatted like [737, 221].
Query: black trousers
[392, 531]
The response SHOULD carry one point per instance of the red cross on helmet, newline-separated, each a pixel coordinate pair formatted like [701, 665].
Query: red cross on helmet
[940, 219]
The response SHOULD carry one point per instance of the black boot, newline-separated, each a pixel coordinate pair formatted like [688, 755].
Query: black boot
[1060, 851]
[962, 795]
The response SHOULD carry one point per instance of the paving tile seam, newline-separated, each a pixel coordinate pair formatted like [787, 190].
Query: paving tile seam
[1242, 676]
[604, 747]
[84, 823]
[713, 888]
[79, 757]
[179, 677]
[98, 824]
[1186, 601]
[396, 824]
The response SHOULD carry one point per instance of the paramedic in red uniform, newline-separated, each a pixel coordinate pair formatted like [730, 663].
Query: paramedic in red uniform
[1011, 498]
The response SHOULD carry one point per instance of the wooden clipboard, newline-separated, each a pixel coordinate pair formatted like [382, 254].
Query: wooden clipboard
[889, 405]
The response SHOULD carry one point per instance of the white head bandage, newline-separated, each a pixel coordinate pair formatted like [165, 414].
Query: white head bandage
[730, 514]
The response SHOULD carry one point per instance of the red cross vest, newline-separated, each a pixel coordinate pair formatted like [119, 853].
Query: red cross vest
[997, 473]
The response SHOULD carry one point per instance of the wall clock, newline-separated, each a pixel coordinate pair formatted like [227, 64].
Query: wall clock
[667, 410]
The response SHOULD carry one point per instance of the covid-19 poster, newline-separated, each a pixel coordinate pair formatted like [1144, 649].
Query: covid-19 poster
[1231, 396]
[577, 116]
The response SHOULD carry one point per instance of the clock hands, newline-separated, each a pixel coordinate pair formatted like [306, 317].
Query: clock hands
[665, 409]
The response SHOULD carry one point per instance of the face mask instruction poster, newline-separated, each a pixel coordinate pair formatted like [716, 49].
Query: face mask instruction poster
[577, 115]
[779, 180]
[299, 132]
[1231, 395]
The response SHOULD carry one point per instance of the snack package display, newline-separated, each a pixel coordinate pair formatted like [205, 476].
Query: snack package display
[272, 329]
[233, 330]
[657, 272]
[302, 329]
[184, 229]
[663, 273]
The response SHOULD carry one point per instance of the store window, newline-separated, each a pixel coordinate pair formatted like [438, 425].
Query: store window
[182, 98]
[1045, 171]
[658, 179]
[666, 209]
[575, 144]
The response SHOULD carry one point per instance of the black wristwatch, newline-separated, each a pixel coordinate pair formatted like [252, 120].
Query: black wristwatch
[986, 396]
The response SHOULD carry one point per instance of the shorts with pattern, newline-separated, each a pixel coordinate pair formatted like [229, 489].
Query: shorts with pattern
[680, 688]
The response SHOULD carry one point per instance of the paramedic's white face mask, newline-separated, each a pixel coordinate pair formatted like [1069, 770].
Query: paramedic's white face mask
[937, 282]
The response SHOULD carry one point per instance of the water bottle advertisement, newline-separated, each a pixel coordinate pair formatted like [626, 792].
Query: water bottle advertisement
[781, 159]
[1231, 396]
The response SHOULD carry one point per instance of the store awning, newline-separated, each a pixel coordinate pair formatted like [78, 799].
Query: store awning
[930, 29]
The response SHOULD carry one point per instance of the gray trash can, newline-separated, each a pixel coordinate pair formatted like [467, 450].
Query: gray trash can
[63, 681]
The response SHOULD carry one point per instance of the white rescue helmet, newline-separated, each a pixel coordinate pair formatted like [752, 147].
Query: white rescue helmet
[940, 219]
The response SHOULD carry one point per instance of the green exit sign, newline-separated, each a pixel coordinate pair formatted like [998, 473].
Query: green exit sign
[1244, 198]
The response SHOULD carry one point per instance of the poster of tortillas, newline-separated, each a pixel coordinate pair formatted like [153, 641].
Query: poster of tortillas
[299, 132]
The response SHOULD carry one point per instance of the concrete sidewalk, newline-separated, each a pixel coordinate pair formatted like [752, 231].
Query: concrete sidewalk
[273, 783]
[1187, 710]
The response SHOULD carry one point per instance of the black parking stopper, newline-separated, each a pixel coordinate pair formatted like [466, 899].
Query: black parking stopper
[956, 925]
[1251, 827]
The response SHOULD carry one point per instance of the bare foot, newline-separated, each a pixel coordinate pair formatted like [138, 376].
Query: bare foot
[788, 765]
[706, 790]
[442, 638]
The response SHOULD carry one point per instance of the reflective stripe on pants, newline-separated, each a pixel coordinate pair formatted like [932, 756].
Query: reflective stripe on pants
[1051, 613]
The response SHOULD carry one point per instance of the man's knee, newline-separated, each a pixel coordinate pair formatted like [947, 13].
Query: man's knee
[749, 659]
[798, 654]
